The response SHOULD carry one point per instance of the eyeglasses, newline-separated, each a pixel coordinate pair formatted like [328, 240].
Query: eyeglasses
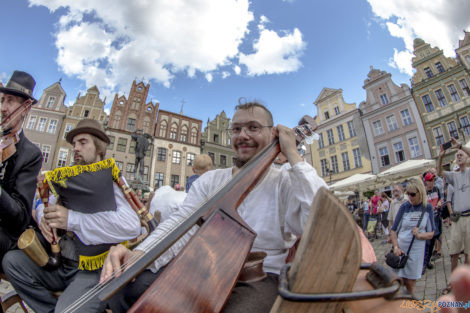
[251, 129]
[411, 194]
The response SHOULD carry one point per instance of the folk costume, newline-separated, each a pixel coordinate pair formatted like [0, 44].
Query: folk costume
[18, 173]
[98, 216]
[276, 209]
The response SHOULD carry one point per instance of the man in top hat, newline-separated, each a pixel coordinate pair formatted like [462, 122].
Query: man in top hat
[93, 219]
[19, 171]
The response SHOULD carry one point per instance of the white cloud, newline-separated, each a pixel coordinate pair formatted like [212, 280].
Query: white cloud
[274, 54]
[225, 74]
[111, 42]
[209, 77]
[3, 77]
[440, 24]
[237, 69]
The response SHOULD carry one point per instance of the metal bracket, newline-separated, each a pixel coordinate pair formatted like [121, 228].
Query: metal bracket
[387, 285]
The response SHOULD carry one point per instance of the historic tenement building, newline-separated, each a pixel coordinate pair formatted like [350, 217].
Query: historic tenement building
[440, 87]
[216, 141]
[176, 143]
[338, 155]
[128, 115]
[44, 122]
[392, 124]
[88, 106]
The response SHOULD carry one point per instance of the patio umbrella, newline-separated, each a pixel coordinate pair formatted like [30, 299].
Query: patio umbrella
[404, 170]
[356, 183]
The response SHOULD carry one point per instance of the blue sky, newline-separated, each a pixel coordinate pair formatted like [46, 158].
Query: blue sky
[212, 52]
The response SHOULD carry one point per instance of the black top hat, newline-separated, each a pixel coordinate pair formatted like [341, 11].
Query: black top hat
[88, 126]
[20, 84]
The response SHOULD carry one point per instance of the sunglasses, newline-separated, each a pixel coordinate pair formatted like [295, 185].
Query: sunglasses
[411, 194]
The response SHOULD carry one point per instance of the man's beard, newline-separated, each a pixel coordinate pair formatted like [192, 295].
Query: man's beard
[239, 163]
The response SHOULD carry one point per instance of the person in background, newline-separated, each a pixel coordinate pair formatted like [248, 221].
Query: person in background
[202, 163]
[366, 208]
[384, 208]
[405, 228]
[460, 227]
[397, 200]
[434, 198]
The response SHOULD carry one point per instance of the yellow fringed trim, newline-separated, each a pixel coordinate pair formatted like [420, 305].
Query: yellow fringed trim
[61, 174]
[95, 262]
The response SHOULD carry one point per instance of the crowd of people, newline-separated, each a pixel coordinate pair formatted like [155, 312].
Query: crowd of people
[442, 197]
[95, 228]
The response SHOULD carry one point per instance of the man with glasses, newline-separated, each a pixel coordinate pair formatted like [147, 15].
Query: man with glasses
[277, 208]
[397, 200]
[460, 227]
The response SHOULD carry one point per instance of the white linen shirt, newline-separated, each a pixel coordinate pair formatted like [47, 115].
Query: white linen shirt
[102, 227]
[276, 209]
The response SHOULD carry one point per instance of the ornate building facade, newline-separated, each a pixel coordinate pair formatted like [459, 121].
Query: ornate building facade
[337, 154]
[441, 90]
[44, 123]
[177, 142]
[216, 141]
[392, 124]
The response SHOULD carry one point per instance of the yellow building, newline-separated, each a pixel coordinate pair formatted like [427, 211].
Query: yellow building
[337, 155]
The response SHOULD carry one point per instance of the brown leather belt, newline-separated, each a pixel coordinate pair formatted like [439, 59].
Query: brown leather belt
[253, 269]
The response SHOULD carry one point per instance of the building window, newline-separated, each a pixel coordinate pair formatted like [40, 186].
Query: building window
[453, 93]
[163, 129]
[439, 67]
[216, 138]
[184, 134]
[161, 154]
[438, 136]
[194, 136]
[406, 117]
[336, 111]
[158, 180]
[146, 124]
[327, 115]
[428, 72]
[352, 130]
[87, 112]
[31, 122]
[50, 102]
[321, 144]
[173, 131]
[62, 159]
[414, 147]
[175, 179]
[190, 159]
[130, 124]
[463, 84]
[132, 147]
[42, 124]
[324, 167]
[68, 127]
[130, 168]
[340, 130]
[427, 103]
[223, 160]
[378, 130]
[145, 177]
[452, 129]
[441, 98]
[465, 125]
[122, 145]
[111, 143]
[345, 158]
[119, 164]
[52, 126]
[384, 99]
[331, 139]
[46, 149]
[212, 156]
[399, 152]
[334, 164]
[384, 158]
[176, 159]
[391, 123]
[357, 157]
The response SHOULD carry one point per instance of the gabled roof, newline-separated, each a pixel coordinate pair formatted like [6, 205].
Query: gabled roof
[325, 93]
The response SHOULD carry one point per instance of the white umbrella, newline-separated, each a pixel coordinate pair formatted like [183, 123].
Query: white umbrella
[405, 170]
[357, 182]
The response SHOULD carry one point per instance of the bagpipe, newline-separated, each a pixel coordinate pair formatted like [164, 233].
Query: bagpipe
[87, 189]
